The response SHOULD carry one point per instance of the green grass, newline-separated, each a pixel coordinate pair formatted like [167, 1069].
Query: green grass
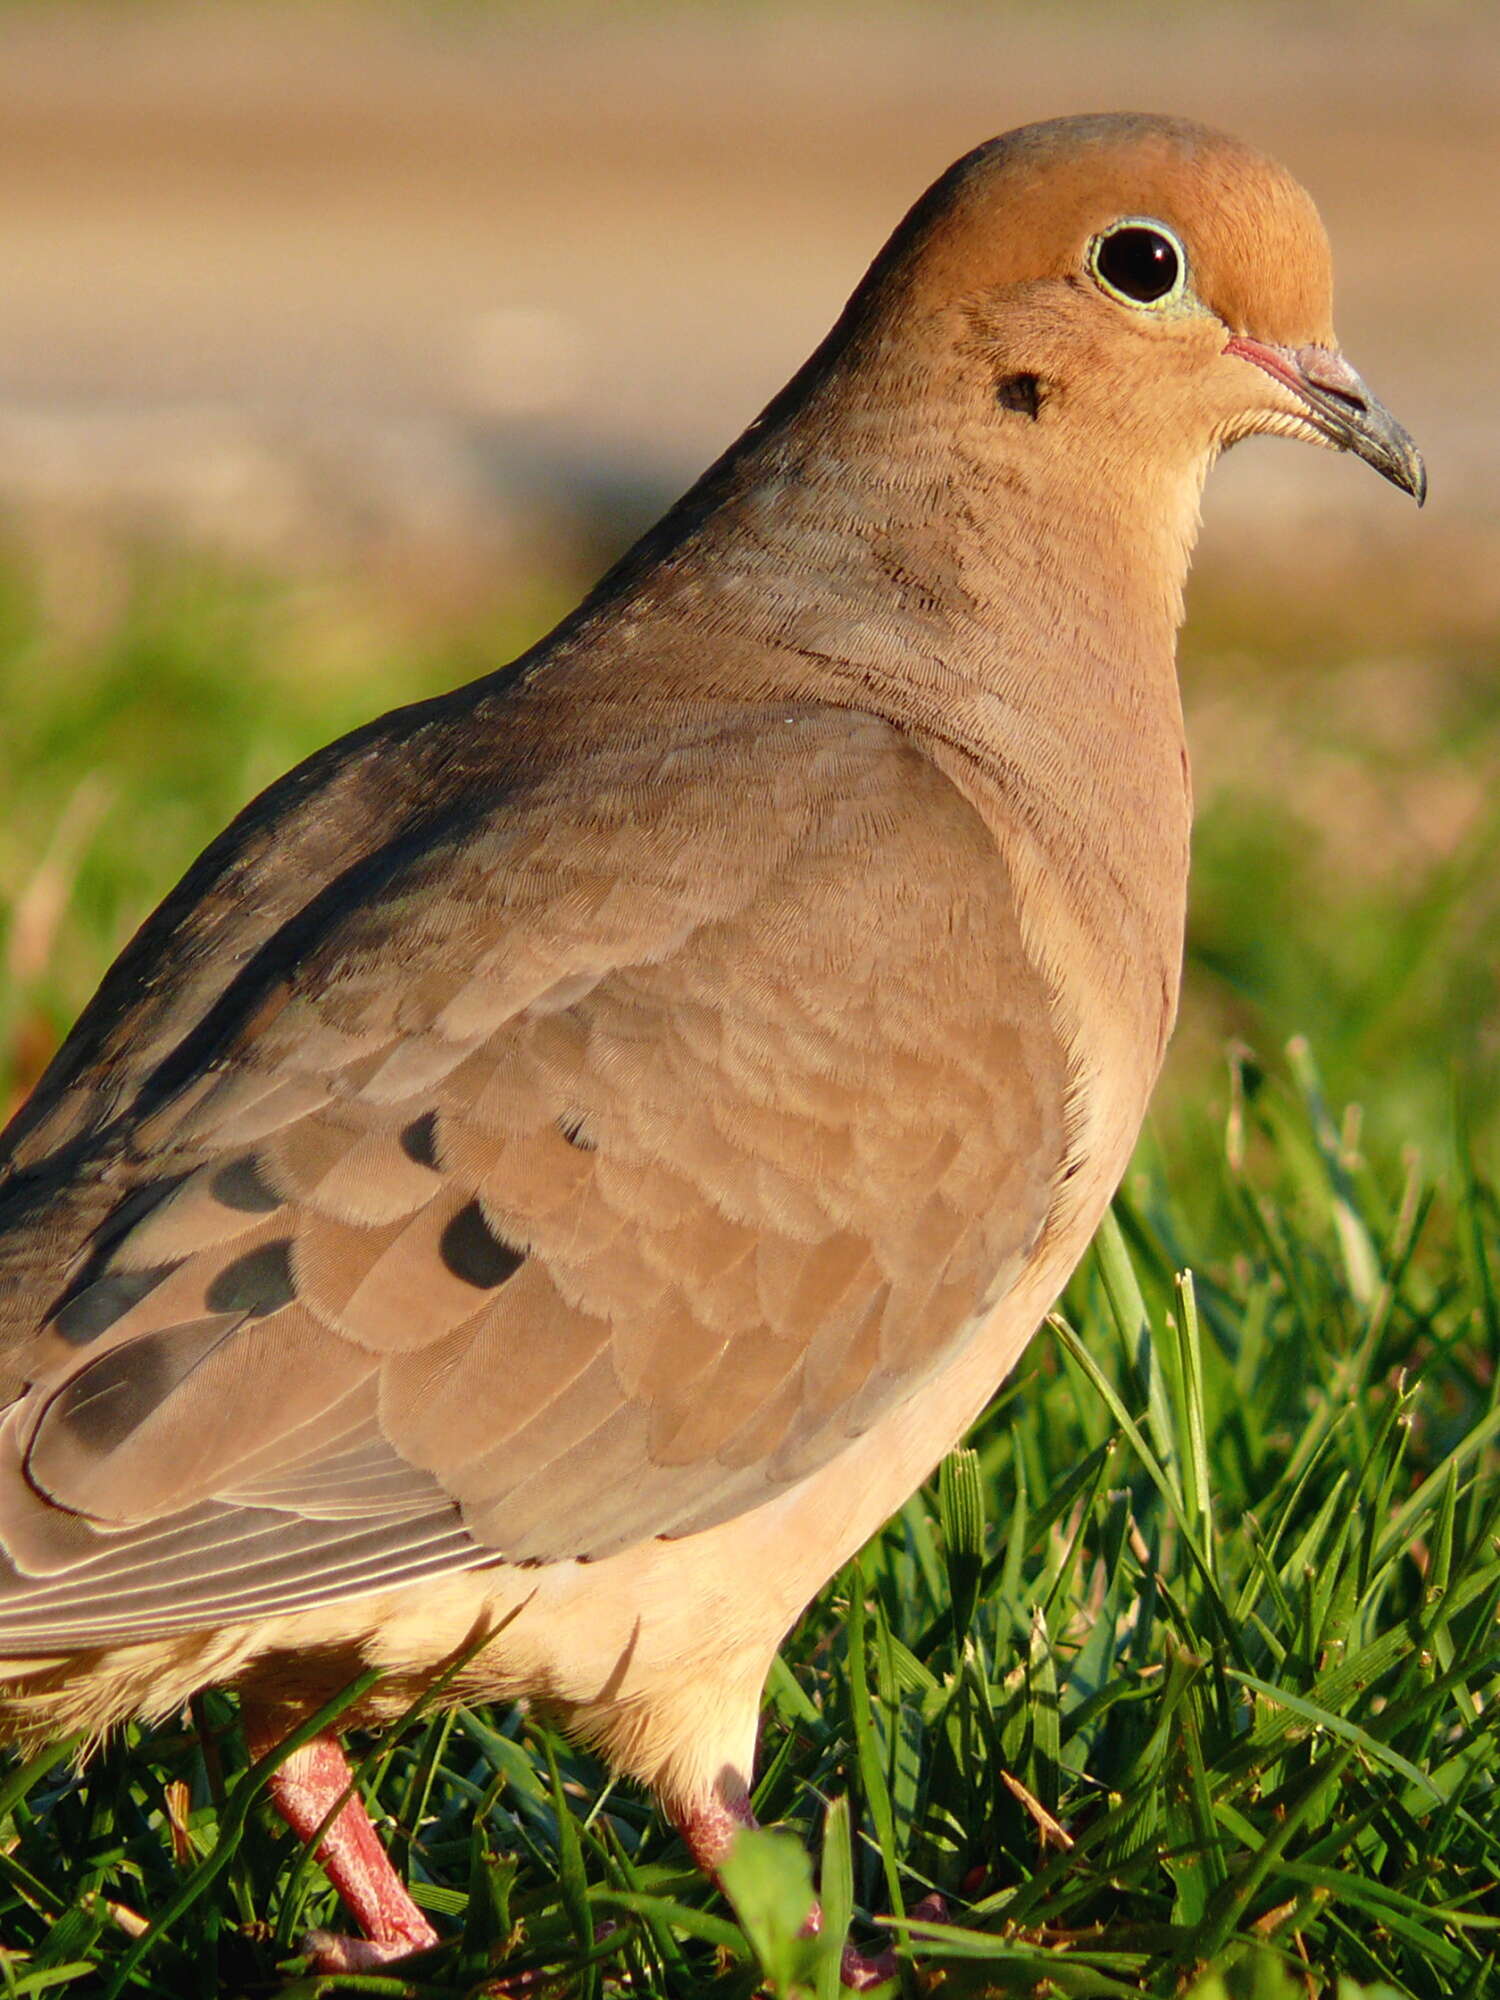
[1179, 1679]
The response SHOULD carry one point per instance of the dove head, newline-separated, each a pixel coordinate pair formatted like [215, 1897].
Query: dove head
[1128, 294]
[997, 455]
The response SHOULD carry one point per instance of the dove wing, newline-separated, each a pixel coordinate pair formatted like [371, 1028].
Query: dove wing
[547, 1172]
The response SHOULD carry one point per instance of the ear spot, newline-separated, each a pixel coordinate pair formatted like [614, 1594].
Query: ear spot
[1024, 394]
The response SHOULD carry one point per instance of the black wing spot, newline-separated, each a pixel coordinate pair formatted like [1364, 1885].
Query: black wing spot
[258, 1283]
[572, 1128]
[101, 1407]
[111, 1398]
[94, 1310]
[100, 1314]
[419, 1140]
[473, 1252]
[243, 1185]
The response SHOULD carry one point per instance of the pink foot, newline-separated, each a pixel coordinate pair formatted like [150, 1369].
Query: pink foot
[708, 1830]
[333, 1951]
[304, 1789]
[860, 1972]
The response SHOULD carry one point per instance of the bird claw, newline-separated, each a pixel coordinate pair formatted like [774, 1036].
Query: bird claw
[932, 1909]
[333, 1951]
[860, 1973]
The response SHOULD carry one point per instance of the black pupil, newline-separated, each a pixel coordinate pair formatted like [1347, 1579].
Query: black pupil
[1141, 263]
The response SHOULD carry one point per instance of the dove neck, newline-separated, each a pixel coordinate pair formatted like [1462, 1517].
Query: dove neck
[1010, 605]
[1009, 614]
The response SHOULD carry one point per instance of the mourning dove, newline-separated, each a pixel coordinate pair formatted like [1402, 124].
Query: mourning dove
[571, 1157]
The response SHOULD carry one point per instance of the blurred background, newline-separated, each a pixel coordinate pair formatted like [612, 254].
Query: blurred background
[342, 346]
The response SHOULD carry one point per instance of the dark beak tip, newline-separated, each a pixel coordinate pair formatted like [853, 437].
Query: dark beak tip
[1407, 469]
[1386, 448]
[1342, 408]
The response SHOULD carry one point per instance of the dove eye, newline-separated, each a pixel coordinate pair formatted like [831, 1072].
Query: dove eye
[1141, 262]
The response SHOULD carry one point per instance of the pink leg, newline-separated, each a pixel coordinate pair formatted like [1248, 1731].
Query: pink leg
[304, 1788]
[709, 1829]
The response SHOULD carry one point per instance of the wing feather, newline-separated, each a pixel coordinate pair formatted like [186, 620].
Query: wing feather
[579, 1172]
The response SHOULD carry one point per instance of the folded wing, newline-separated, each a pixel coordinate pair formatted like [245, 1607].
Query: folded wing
[588, 1169]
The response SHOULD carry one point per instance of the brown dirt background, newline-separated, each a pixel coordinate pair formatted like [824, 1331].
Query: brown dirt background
[478, 283]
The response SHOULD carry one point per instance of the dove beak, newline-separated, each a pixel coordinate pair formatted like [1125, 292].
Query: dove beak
[1340, 407]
